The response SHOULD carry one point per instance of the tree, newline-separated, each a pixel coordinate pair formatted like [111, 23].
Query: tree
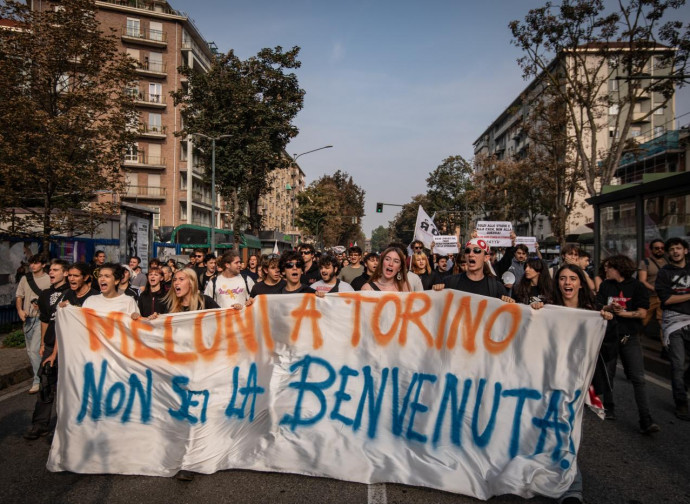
[63, 121]
[254, 102]
[331, 209]
[578, 49]
[448, 186]
[380, 237]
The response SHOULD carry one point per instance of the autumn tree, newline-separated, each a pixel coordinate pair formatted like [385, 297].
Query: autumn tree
[331, 209]
[254, 102]
[578, 49]
[447, 189]
[63, 121]
[380, 237]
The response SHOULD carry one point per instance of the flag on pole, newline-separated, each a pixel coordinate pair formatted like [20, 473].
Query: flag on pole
[275, 247]
[424, 229]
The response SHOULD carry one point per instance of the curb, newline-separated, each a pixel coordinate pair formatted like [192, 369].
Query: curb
[16, 376]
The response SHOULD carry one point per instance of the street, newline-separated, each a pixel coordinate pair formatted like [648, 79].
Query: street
[618, 464]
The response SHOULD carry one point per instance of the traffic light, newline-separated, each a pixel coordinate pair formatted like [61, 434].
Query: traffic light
[379, 207]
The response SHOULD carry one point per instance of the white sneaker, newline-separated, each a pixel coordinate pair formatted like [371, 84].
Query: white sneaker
[34, 388]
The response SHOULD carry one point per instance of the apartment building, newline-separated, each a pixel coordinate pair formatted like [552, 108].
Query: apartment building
[506, 136]
[279, 205]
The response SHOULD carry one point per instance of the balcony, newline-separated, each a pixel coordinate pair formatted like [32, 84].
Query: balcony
[151, 38]
[198, 197]
[641, 117]
[142, 160]
[144, 99]
[152, 69]
[155, 131]
[138, 192]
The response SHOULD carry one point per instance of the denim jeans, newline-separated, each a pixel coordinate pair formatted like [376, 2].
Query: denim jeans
[575, 489]
[633, 364]
[32, 335]
[679, 343]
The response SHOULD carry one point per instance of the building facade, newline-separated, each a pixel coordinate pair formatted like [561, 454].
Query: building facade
[279, 205]
[506, 136]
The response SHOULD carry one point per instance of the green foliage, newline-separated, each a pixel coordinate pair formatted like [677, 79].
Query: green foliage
[402, 227]
[380, 237]
[63, 120]
[448, 187]
[254, 101]
[15, 339]
[331, 209]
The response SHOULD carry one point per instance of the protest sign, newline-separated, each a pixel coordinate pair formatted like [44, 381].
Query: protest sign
[446, 245]
[495, 233]
[530, 241]
[441, 389]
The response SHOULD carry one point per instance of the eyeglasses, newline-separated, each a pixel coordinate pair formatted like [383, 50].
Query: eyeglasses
[272, 256]
[476, 250]
[418, 248]
[199, 256]
[305, 252]
[658, 248]
[294, 264]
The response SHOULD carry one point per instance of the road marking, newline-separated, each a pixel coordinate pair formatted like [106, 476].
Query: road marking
[377, 494]
[650, 379]
[9, 395]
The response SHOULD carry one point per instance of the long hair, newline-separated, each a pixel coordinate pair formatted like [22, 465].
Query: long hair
[413, 264]
[378, 273]
[196, 299]
[544, 283]
[585, 296]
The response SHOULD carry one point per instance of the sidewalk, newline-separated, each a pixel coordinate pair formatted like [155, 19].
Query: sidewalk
[14, 366]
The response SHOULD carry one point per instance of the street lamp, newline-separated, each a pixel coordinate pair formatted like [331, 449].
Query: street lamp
[295, 156]
[213, 184]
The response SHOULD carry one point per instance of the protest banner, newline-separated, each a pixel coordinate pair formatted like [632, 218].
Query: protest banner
[495, 233]
[447, 390]
[446, 245]
[424, 229]
[530, 241]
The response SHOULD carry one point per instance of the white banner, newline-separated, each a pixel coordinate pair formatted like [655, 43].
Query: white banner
[495, 233]
[530, 241]
[440, 389]
[424, 229]
[446, 245]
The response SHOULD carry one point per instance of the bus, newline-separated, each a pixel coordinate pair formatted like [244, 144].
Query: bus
[190, 236]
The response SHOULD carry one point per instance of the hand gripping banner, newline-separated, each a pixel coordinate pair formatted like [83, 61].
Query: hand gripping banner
[446, 390]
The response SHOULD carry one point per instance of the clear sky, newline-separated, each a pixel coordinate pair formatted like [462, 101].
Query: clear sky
[396, 86]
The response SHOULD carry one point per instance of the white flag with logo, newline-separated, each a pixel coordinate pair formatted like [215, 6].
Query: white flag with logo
[425, 229]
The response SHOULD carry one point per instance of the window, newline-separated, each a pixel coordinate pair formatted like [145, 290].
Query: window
[613, 109]
[155, 30]
[134, 54]
[62, 84]
[155, 92]
[614, 132]
[133, 28]
[155, 122]
[635, 132]
[613, 85]
[155, 62]
[659, 130]
[132, 153]
[155, 154]
[156, 217]
[659, 111]
[154, 185]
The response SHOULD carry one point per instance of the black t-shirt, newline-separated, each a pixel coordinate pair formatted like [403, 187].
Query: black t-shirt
[209, 304]
[48, 302]
[534, 296]
[311, 275]
[264, 288]
[204, 279]
[303, 289]
[359, 282]
[631, 294]
[248, 273]
[152, 302]
[71, 296]
[487, 286]
[673, 281]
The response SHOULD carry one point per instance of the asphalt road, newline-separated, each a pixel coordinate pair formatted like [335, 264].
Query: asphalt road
[618, 464]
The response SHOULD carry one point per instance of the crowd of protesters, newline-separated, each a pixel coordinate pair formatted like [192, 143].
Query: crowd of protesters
[627, 295]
